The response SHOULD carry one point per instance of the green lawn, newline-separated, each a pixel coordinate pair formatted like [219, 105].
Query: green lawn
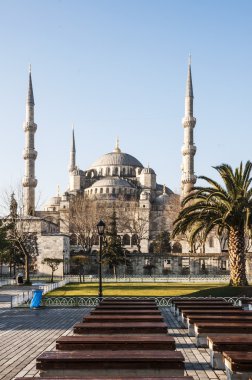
[152, 289]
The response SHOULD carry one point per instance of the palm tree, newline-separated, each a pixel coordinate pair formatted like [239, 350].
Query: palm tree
[226, 209]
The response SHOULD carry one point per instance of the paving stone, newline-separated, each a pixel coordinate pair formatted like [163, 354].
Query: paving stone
[26, 333]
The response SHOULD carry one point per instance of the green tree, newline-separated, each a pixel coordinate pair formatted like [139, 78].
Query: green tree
[162, 243]
[226, 209]
[113, 252]
[79, 263]
[53, 263]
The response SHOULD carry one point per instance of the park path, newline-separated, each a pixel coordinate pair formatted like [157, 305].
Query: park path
[25, 333]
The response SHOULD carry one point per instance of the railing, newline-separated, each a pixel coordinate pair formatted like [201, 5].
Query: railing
[26, 296]
[74, 301]
[8, 281]
[169, 278]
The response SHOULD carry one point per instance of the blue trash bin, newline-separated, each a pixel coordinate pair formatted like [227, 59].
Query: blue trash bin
[36, 299]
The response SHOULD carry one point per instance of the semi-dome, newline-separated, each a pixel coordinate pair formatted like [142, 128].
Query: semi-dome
[112, 182]
[116, 159]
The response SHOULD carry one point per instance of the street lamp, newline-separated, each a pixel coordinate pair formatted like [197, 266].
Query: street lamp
[100, 228]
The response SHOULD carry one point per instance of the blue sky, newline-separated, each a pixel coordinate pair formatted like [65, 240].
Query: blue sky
[118, 68]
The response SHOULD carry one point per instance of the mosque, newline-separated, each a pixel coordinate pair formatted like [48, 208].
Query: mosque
[118, 179]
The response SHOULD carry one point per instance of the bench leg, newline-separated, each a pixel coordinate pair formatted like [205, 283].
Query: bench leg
[191, 331]
[236, 375]
[216, 360]
[201, 340]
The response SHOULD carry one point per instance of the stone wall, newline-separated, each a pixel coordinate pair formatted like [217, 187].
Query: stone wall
[53, 246]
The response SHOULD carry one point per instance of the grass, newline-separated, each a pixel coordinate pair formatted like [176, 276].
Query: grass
[153, 289]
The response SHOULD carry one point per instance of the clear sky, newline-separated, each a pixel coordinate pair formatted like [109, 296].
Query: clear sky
[118, 68]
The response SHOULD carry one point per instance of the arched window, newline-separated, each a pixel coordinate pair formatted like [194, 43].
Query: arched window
[91, 191]
[123, 171]
[108, 171]
[113, 190]
[107, 190]
[101, 190]
[211, 242]
[126, 239]
[116, 170]
[134, 239]
[96, 190]
[177, 247]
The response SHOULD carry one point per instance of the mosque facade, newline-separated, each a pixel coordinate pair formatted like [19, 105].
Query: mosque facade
[119, 180]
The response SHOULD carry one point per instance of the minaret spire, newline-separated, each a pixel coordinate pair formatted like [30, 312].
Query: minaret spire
[29, 153]
[189, 149]
[72, 165]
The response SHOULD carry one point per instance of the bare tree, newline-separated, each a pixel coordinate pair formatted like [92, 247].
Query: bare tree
[22, 235]
[135, 220]
[53, 263]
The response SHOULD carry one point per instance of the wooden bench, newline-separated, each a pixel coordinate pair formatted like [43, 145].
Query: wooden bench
[116, 342]
[108, 363]
[218, 344]
[234, 311]
[113, 378]
[204, 329]
[125, 307]
[191, 320]
[121, 328]
[126, 312]
[199, 308]
[202, 306]
[202, 301]
[119, 318]
[238, 364]
[143, 303]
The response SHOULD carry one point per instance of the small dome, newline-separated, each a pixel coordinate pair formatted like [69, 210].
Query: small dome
[148, 171]
[54, 201]
[161, 199]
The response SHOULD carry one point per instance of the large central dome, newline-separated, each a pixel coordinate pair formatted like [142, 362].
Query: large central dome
[116, 158]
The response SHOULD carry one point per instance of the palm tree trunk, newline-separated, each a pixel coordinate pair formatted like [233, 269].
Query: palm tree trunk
[237, 257]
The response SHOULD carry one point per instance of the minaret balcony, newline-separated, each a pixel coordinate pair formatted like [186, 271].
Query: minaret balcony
[188, 178]
[29, 154]
[30, 126]
[188, 150]
[29, 182]
[189, 121]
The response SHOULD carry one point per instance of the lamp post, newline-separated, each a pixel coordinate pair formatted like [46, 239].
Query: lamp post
[100, 228]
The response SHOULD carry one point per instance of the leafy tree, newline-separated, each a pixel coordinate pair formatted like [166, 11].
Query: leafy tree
[162, 243]
[113, 252]
[226, 209]
[53, 263]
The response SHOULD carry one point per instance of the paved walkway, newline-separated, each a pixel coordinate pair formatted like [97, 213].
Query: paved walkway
[25, 333]
[7, 291]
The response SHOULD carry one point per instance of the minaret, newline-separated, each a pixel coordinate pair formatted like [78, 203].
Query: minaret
[189, 149]
[72, 164]
[29, 154]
